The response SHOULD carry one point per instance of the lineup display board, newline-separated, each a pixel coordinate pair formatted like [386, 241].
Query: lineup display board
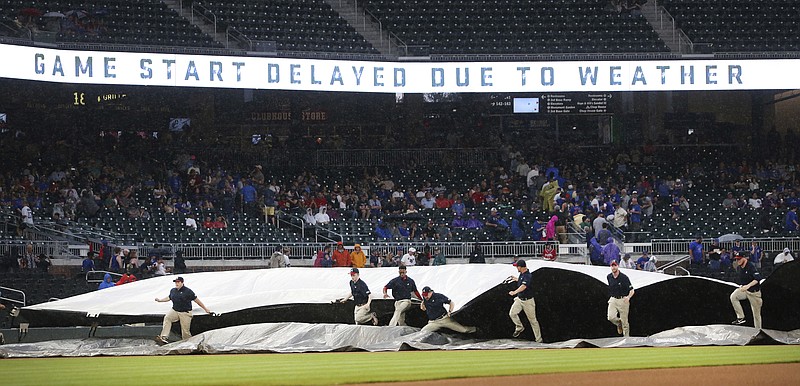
[576, 103]
[244, 72]
[561, 103]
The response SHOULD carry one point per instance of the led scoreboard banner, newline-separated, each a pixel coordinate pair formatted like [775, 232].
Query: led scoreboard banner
[575, 103]
[566, 103]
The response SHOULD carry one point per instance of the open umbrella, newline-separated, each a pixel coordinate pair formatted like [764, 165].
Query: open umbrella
[729, 237]
[54, 14]
[30, 12]
[76, 13]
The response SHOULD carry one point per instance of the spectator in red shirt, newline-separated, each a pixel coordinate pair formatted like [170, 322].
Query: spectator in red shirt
[208, 224]
[128, 277]
[549, 252]
[220, 223]
[443, 202]
[478, 197]
[320, 201]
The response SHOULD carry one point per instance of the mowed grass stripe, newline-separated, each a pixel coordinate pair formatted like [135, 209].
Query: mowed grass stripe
[359, 367]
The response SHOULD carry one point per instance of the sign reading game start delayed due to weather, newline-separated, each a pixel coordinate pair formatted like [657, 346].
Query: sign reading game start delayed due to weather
[246, 72]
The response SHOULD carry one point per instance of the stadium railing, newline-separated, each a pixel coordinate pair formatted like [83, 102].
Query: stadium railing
[263, 251]
[19, 296]
[681, 246]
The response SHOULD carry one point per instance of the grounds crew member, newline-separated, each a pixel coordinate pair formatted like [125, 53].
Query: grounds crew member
[402, 287]
[523, 301]
[750, 288]
[360, 294]
[181, 310]
[620, 293]
[438, 316]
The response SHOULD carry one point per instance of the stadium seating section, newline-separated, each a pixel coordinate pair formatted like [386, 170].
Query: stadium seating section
[739, 25]
[515, 27]
[141, 22]
[294, 25]
[425, 26]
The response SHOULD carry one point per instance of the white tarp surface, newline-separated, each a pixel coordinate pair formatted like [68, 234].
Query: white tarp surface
[230, 291]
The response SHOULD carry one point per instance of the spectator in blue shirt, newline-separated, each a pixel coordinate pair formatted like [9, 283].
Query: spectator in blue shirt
[791, 221]
[610, 252]
[755, 254]
[640, 263]
[516, 226]
[88, 263]
[696, 251]
[635, 213]
[383, 231]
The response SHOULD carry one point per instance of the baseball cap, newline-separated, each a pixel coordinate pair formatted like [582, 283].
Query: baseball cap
[353, 270]
[426, 290]
[614, 262]
[520, 263]
[339, 243]
[785, 250]
[180, 279]
[412, 250]
[738, 256]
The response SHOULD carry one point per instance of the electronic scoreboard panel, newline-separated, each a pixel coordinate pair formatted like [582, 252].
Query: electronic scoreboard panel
[556, 103]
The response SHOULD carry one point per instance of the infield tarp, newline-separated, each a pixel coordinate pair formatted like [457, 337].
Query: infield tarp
[571, 299]
[301, 337]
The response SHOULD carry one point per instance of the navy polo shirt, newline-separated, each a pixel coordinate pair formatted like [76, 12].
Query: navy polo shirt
[402, 289]
[525, 278]
[182, 299]
[747, 274]
[434, 306]
[619, 286]
[360, 292]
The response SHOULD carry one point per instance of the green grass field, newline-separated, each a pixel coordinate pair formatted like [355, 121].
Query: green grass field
[360, 367]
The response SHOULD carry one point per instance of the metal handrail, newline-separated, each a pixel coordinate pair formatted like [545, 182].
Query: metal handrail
[306, 250]
[402, 44]
[380, 26]
[202, 14]
[675, 271]
[113, 274]
[317, 229]
[24, 298]
[239, 37]
[280, 216]
[684, 37]
[677, 34]
[674, 263]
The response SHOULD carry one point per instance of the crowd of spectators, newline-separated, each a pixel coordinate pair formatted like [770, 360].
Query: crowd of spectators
[526, 193]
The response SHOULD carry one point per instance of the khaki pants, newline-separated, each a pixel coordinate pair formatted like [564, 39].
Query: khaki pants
[621, 307]
[561, 231]
[400, 308]
[529, 306]
[755, 304]
[362, 315]
[447, 322]
[174, 316]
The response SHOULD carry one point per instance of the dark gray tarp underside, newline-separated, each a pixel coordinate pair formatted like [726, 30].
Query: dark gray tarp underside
[303, 337]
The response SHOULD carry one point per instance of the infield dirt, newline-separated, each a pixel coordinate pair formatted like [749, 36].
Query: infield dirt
[785, 374]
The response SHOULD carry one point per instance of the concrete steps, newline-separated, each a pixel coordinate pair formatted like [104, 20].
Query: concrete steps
[662, 23]
[207, 28]
[364, 25]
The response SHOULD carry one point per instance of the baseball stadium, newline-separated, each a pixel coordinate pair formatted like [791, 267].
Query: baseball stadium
[410, 192]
